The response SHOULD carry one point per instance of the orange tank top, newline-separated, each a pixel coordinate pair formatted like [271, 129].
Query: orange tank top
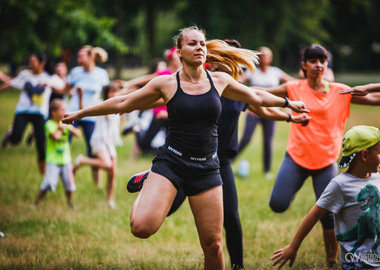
[318, 144]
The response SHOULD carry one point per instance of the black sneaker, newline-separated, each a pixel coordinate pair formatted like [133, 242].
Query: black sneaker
[135, 183]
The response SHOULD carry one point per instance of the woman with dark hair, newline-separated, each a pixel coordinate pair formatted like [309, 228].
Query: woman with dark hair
[313, 149]
[33, 106]
[189, 160]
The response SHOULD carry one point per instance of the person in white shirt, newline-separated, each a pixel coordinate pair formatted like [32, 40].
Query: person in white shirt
[265, 76]
[36, 87]
[105, 137]
[90, 79]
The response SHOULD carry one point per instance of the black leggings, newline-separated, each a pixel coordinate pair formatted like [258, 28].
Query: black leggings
[232, 225]
[19, 125]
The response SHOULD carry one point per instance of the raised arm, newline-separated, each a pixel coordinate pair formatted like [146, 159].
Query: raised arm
[121, 104]
[289, 252]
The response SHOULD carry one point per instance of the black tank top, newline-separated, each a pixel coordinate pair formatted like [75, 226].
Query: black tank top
[193, 121]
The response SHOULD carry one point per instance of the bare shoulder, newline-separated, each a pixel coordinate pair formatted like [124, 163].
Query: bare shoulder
[166, 85]
[164, 80]
[221, 79]
[219, 75]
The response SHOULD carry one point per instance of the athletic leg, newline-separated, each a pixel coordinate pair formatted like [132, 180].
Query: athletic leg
[289, 180]
[152, 205]
[207, 208]
[100, 159]
[232, 225]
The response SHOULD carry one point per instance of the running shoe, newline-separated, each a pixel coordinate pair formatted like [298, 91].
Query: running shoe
[135, 183]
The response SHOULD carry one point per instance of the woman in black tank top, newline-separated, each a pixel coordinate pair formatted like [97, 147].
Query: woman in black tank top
[189, 161]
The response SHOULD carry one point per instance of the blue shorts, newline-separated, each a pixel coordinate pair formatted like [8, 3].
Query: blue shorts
[190, 175]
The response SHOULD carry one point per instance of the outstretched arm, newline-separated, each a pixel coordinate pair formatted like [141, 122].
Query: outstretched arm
[289, 252]
[362, 90]
[370, 99]
[278, 115]
[4, 77]
[256, 97]
[120, 104]
[5, 86]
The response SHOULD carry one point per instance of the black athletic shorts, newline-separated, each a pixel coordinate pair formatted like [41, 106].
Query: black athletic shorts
[193, 175]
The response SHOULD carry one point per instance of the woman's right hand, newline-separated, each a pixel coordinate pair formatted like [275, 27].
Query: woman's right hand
[298, 106]
[69, 118]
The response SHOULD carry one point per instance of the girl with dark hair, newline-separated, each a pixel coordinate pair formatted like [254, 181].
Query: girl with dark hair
[189, 160]
[313, 150]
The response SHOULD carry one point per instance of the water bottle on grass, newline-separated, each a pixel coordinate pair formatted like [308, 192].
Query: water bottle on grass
[243, 170]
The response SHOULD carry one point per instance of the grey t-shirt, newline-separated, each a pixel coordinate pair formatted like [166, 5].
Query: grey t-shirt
[356, 205]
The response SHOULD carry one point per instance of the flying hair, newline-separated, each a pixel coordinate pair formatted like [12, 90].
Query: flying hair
[230, 59]
[226, 58]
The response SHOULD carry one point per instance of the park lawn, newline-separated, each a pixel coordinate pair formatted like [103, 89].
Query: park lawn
[93, 236]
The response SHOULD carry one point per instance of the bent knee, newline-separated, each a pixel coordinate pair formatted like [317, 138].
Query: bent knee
[278, 207]
[141, 229]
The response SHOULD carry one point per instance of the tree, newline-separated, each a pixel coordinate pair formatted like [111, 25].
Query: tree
[49, 26]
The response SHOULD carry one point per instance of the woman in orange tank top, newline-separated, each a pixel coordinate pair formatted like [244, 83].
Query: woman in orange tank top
[312, 150]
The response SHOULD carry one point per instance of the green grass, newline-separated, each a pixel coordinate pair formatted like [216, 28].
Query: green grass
[95, 237]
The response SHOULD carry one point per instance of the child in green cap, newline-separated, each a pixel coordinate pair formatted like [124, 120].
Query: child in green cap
[354, 198]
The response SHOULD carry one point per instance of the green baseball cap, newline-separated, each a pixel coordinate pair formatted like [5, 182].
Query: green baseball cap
[355, 140]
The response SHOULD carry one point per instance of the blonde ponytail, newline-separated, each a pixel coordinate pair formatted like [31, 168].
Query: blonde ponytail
[230, 59]
[100, 55]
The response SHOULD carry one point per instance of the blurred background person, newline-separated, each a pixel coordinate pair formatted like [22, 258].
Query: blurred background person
[90, 79]
[264, 76]
[105, 138]
[36, 87]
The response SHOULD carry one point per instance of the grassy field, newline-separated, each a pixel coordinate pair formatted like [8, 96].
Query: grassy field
[92, 236]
